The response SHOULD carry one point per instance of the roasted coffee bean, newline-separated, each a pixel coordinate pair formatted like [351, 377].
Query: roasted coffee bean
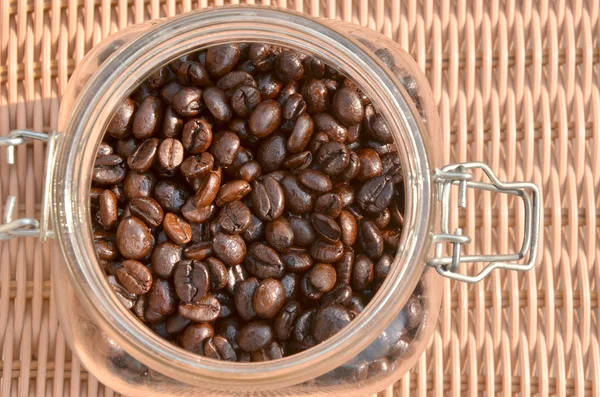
[249, 172]
[299, 200]
[144, 156]
[391, 237]
[325, 252]
[177, 229]
[293, 107]
[298, 161]
[134, 240]
[254, 336]
[265, 118]
[148, 210]
[162, 298]
[106, 249]
[316, 96]
[148, 118]
[198, 251]
[288, 90]
[221, 59]
[268, 298]
[343, 268]
[413, 313]
[346, 194]
[234, 218]
[301, 135]
[204, 310]
[263, 261]
[225, 147]
[375, 195]
[126, 146]
[341, 295]
[273, 351]
[191, 280]
[176, 323]
[329, 320]
[279, 234]
[164, 258]
[288, 66]
[196, 214]
[314, 67]
[315, 180]
[304, 234]
[336, 132]
[333, 157]
[271, 152]
[197, 166]
[208, 190]
[326, 227]
[194, 335]
[193, 73]
[382, 219]
[109, 170]
[263, 55]
[134, 276]
[370, 164]
[157, 78]
[267, 198]
[268, 85]
[284, 322]
[322, 277]
[219, 348]
[170, 154]
[291, 285]
[278, 175]
[303, 330]
[217, 104]
[383, 266]
[126, 298]
[120, 125]
[377, 126]
[236, 79]
[371, 239]
[329, 204]
[230, 248]
[244, 100]
[218, 273]
[172, 124]
[229, 328]
[381, 148]
[140, 307]
[256, 231]
[108, 211]
[169, 90]
[349, 228]
[317, 141]
[297, 261]
[188, 101]
[363, 273]
[235, 275]
[348, 107]
[138, 184]
[352, 170]
[244, 295]
[197, 136]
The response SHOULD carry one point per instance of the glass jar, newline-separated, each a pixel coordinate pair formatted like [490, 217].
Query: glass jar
[375, 349]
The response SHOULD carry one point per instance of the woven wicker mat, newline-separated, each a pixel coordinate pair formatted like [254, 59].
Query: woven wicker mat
[517, 86]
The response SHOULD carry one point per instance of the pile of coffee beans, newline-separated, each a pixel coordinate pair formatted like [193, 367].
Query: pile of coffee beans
[248, 202]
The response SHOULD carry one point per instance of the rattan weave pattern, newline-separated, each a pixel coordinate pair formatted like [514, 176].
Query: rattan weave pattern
[517, 86]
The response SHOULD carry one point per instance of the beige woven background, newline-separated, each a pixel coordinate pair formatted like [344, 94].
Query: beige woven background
[517, 86]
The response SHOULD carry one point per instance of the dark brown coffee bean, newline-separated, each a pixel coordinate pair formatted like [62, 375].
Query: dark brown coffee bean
[265, 118]
[197, 136]
[255, 232]
[391, 237]
[229, 328]
[250, 171]
[370, 164]
[322, 277]
[336, 132]
[193, 337]
[351, 171]
[219, 348]
[343, 268]
[363, 273]
[301, 135]
[140, 307]
[134, 276]
[169, 90]
[317, 141]
[176, 323]
[108, 209]
[293, 107]
[236, 79]
[244, 294]
[148, 118]
[230, 248]
[348, 107]
[217, 104]
[316, 96]
[148, 210]
[120, 125]
[299, 200]
[271, 152]
[188, 101]
[193, 73]
[134, 240]
[126, 298]
[297, 261]
[329, 204]
[288, 66]
[269, 85]
[298, 161]
[267, 198]
[126, 146]
[303, 330]
[392, 167]
[279, 175]
[254, 336]
[197, 166]
[383, 266]
[269, 298]
[413, 313]
[325, 252]
[218, 274]
[164, 258]
[198, 251]
[143, 158]
[170, 154]
[354, 132]
[315, 180]
[244, 100]
[304, 234]
[381, 148]
[221, 59]
[225, 147]
[314, 67]
[162, 298]
[333, 157]
[138, 184]
[177, 229]
[157, 78]
[95, 193]
[263, 56]
[234, 218]
[279, 234]
[291, 285]
[274, 351]
[375, 195]
[192, 280]
[172, 124]
[204, 310]
[329, 320]
[349, 228]
[284, 322]
[326, 227]
[106, 249]
[383, 218]
[341, 295]
[207, 192]
[371, 239]
[235, 275]
[108, 170]
[377, 126]
[263, 261]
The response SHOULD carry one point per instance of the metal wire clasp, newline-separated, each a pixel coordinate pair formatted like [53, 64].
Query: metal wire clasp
[457, 174]
[29, 227]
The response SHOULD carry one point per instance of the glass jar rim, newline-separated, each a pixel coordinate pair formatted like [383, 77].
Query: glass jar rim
[123, 71]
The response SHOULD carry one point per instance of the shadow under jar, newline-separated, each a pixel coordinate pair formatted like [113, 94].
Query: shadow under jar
[367, 355]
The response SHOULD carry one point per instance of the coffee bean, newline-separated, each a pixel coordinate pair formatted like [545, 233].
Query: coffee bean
[204, 310]
[221, 59]
[244, 294]
[363, 273]
[269, 85]
[322, 277]
[218, 273]
[299, 200]
[225, 147]
[172, 124]
[134, 240]
[269, 298]
[382, 219]
[413, 313]
[298, 161]
[333, 157]
[196, 214]
[293, 107]
[177, 229]
[297, 261]
[326, 227]
[198, 251]
[370, 164]
[288, 67]
[148, 118]
[194, 73]
[329, 204]
[228, 328]
[348, 107]
[383, 266]
[162, 298]
[340, 295]
[234, 218]
[188, 101]
[391, 237]
[344, 266]
[263, 55]
[109, 170]
[148, 210]
[314, 67]
[271, 152]
[267, 198]
[176, 323]
[325, 252]
[291, 285]
[302, 133]
[140, 307]
[193, 337]
[255, 232]
[120, 125]
[249, 172]
[197, 166]
[138, 184]
[230, 248]
[217, 104]
[164, 258]
[235, 275]
[303, 330]
[336, 132]
[375, 195]
[197, 136]
[254, 336]
[108, 210]
[244, 100]
[236, 79]
[315, 180]
[191, 280]
[168, 91]
[329, 320]
[106, 249]
[371, 239]
[316, 96]
[219, 348]
[381, 148]
[346, 194]
[265, 118]
[352, 169]
[126, 298]
[284, 322]
[279, 234]
[377, 126]
[317, 141]
[349, 228]
[273, 351]
[170, 154]
[134, 276]
[354, 132]
[144, 156]
[304, 234]
[263, 261]
[207, 192]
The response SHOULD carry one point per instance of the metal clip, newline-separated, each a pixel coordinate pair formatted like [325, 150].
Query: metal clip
[29, 227]
[458, 174]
